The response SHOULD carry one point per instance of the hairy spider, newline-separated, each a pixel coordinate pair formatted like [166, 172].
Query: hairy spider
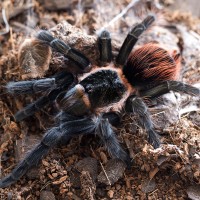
[94, 103]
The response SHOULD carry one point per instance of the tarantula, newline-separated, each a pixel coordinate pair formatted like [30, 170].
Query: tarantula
[93, 105]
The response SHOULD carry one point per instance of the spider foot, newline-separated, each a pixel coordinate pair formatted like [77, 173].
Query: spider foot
[153, 139]
[6, 181]
[106, 132]
[128, 161]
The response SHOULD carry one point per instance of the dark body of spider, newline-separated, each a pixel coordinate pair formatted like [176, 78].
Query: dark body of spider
[94, 103]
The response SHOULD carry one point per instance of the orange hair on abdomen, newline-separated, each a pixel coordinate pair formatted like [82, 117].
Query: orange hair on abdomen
[150, 64]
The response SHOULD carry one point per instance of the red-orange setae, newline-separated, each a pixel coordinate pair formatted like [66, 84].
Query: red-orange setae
[150, 64]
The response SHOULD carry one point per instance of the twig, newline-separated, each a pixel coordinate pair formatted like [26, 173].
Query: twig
[7, 27]
[79, 20]
[105, 173]
[22, 26]
[48, 183]
[121, 14]
[17, 11]
[11, 38]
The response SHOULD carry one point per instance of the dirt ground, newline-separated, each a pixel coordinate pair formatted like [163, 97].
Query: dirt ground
[83, 169]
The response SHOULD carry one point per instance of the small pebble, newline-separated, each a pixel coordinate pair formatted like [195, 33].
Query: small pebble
[69, 194]
[110, 193]
[54, 174]
[118, 187]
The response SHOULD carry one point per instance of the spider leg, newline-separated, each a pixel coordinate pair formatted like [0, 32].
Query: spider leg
[132, 38]
[63, 82]
[67, 130]
[32, 158]
[166, 86]
[31, 87]
[105, 48]
[81, 60]
[37, 105]
[136, 104]
[36, 86]
[114, 118]
[105, 131]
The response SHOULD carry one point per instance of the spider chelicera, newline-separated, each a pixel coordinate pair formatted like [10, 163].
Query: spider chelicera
[93, 105]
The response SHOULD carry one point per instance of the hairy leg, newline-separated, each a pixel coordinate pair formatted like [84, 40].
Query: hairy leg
[62, 83]
[105, 48]
[136, 105]
[103, 128]
[31, 87]
[105, 131]
[114, 118]
[32, 158]
[69, 127]
[40, 85]
[77, 57]
[132, 38]
[166, 86]
[37, 105]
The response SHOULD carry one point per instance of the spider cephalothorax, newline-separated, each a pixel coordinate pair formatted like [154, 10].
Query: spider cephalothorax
[93, 105]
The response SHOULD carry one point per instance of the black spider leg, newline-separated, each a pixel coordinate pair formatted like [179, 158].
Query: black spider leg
[167, 86]
[73, 54]
[132, 38]
[31, 87]
[62, 82]
[106, 132]
[136, 104]
[105, 47]
[72, 126]
[114, 118]
[104, 129]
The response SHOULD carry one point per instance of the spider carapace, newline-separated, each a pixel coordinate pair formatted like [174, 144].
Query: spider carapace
[94, 104]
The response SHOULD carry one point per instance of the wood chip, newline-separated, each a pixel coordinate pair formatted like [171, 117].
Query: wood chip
[62, 179]
[153, 172]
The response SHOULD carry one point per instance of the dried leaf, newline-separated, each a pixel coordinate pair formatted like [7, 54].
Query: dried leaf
[153, 172]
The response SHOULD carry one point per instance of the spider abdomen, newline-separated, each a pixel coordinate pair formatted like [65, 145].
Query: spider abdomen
[104, 87]
[151, 64]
